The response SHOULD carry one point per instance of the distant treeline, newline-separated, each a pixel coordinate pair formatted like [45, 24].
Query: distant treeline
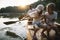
[11, 10]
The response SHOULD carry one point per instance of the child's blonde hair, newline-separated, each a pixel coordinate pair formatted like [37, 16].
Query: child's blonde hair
[39, 9]
[51, 5]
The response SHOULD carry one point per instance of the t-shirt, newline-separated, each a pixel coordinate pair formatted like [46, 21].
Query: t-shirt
[52, 16]
[49, 18]
[37, 23]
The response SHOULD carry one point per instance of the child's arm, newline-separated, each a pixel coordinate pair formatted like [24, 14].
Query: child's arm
[24, 17]
[43, 18]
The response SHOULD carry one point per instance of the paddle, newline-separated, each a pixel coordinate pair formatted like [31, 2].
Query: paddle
[10, 22]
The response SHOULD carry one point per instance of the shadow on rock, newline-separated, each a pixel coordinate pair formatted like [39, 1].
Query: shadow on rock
[11, 34]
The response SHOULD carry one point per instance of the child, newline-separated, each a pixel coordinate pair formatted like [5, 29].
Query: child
[37, 19]
[51, 17]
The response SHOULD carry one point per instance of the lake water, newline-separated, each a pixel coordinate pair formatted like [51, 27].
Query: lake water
[17, 28]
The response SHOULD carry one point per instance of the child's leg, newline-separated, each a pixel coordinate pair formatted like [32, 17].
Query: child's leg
[34, 36]
[46, 29]
[35, 31]
[42, 33]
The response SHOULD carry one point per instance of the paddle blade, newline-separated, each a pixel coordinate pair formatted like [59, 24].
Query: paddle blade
[10, 22]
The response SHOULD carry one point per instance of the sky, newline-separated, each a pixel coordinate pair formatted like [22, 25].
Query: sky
[5, 3]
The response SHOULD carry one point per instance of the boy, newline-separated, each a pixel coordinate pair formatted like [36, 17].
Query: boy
[51, 17]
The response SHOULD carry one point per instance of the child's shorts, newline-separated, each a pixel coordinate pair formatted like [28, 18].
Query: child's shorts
[37, 24]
